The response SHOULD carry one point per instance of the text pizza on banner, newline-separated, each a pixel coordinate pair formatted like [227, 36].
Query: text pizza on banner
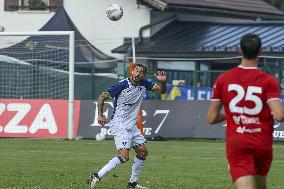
[36, 118]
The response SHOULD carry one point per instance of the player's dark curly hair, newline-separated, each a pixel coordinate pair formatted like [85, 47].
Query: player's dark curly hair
[250, 46]
[142, 66]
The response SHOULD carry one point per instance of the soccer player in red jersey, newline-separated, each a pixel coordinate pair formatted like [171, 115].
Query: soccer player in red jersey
[251, 100]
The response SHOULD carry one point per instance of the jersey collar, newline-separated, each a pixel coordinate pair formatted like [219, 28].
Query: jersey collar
[133, 84]
[247, 68]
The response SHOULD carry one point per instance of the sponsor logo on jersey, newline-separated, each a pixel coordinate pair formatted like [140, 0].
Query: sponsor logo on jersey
[244, 120]
[243, 130]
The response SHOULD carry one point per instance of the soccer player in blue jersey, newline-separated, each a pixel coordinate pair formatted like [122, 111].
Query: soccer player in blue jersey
[128, 95]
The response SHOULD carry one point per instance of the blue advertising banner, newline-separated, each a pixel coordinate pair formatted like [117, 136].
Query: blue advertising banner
[175, 92]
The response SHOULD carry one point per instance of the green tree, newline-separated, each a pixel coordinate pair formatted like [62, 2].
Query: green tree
[37, 3]
[276, 3]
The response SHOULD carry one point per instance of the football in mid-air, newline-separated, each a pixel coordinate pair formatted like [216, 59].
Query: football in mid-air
[114, 12]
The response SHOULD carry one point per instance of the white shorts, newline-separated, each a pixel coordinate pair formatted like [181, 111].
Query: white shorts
[127, 138]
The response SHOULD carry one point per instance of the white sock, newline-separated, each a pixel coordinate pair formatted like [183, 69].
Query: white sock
[137, 166]
[116, 161]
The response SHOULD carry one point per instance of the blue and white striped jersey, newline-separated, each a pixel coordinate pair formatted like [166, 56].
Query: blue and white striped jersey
[127, 101]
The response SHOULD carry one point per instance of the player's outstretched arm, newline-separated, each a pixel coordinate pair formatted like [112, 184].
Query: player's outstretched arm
[101, 101]
[277, 109]
[162, 87]
[214, 115]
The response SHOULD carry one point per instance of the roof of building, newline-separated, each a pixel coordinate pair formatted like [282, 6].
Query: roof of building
[187, 38]
[235, 8]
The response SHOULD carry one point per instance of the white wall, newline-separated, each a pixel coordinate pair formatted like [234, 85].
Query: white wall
[90, 18]
[23, 21]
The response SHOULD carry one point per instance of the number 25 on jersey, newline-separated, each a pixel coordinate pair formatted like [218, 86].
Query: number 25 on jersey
[248, 95]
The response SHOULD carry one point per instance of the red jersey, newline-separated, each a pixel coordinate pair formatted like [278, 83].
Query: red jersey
[244, 92]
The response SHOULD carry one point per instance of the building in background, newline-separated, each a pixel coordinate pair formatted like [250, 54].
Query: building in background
[186, 38]
[88, 16]
[189, 38]
[95, 34]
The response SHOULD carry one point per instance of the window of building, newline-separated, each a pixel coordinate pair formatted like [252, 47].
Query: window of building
[30, 5]
[34, 4]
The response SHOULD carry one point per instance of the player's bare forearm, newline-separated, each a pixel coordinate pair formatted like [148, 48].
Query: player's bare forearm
[101, 101]
[277, 109]
[163, 87]
[214, 113]
[220, 118]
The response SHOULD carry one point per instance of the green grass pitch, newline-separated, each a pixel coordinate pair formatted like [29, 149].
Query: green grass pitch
[172, 164]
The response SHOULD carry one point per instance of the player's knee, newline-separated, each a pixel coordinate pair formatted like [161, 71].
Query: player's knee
[125, 157]
[122, 158]
[143, 153]
[124, 154]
